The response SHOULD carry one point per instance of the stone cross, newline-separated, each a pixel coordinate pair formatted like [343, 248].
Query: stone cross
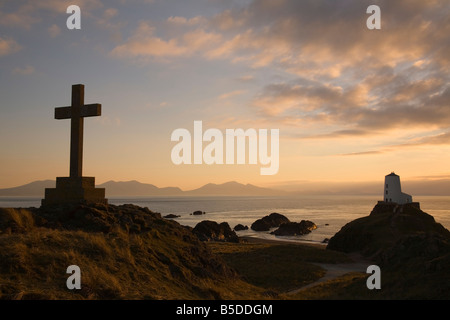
[76, 189]
[77, 112]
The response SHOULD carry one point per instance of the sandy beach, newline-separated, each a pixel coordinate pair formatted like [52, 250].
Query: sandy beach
[276, 241]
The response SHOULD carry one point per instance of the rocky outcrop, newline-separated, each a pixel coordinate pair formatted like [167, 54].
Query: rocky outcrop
[213, 231]
[295, 228]
[273, 220]
[240, 227]
[198, 213]
[171, 216]
[171, 262]
[386, 230]
[98, 218]
[412, 250]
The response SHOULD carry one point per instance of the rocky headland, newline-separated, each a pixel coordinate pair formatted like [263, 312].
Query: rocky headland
[411, 248]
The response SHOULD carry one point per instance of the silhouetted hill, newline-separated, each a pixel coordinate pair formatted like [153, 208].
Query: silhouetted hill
[233, 188]
[33, 189]
[135, 188]
[124, 252]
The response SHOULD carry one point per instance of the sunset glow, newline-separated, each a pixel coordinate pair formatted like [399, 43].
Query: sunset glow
[351, 104]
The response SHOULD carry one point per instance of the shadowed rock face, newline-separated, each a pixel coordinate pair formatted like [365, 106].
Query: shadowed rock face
[240, 227]
[98, 217]
[389, 231]
[212, 231]
[273, 220]
[295, 228]
[412, 250]
[140, 254]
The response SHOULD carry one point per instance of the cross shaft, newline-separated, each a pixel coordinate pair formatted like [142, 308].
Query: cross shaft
[77, 112]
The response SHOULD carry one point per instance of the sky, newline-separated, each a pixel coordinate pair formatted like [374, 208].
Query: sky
[351, 104]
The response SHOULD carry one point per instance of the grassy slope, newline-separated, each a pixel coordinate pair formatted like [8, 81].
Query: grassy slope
[164, 262]
[277, 267]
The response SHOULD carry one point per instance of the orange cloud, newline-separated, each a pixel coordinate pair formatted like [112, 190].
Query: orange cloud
[8, 46]
[231, 94]
[144, 43]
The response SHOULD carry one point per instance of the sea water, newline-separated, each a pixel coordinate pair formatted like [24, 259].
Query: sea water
[329, 212]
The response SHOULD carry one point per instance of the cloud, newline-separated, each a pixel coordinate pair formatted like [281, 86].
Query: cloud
[310, 100]
[54, 31]
[426, 141]
[246, 78]
[144, 43]
[8, 46]
[363, 153]
[343, 133]
[439, 139]
[25, 14]
[347, 75]
[335, 73]
[231, 94]
[22, 17]
[397, 102]
[61, 5]
[24, 71]
[109, 121]
[108, 20]
[183, 22]
[433, 177]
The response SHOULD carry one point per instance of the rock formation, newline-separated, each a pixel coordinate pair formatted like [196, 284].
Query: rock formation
[295, 228]
[273, 220]
[171, 216]
[213, 231]
[412, 250]
[240, 227]
[386, 225]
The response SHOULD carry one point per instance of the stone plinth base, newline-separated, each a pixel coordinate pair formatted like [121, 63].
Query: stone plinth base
[74, 190]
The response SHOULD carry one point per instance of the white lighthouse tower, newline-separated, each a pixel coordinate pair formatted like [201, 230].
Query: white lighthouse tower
[393, 190]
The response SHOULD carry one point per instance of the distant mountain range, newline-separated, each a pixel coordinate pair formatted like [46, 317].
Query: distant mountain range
[135, 188]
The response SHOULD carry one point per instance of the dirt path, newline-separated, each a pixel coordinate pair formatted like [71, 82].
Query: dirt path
[336, 270]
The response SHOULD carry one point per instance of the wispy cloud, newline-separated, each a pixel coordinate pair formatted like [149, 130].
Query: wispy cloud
[426, 141]
[26, 14]
[231, 94]
[24, 70]
[346, 74]
[144, 43]
[54, 31]
[343, 81]
[8, 46]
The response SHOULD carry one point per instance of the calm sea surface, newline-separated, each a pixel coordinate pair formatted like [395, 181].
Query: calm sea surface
[329, 213]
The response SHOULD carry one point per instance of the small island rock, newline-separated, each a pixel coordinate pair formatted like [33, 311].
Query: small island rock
[240, 227]
[171, 216]
[271, 221]
[295, 228]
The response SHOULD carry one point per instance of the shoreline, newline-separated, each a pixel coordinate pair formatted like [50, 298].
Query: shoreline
[249, 239]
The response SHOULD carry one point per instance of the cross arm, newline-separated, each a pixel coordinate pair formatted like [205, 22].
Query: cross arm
[89, 110]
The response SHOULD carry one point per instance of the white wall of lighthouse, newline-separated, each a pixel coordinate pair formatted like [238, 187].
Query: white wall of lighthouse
[393, 190]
